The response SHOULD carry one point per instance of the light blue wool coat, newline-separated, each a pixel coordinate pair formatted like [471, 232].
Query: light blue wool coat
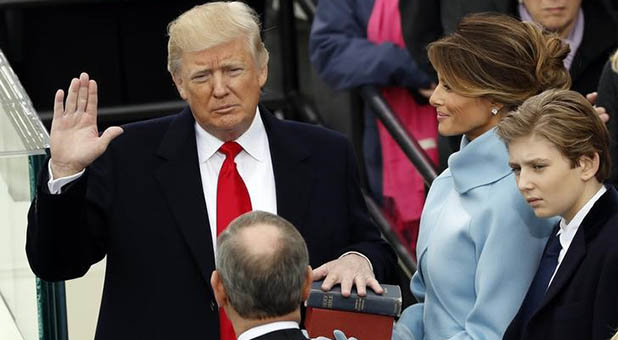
[478, 248]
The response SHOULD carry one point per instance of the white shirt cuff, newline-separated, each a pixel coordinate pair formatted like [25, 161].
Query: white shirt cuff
[359, 254]
[55, 185]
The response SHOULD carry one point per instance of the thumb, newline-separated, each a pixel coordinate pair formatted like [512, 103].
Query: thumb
[319, 272]
[108, 135]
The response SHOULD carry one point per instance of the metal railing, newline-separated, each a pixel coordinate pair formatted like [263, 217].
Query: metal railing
[400, 134]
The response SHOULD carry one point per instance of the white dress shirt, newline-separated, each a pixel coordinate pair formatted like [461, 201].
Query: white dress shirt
[254, 165]
[567, 231]
[258, 331]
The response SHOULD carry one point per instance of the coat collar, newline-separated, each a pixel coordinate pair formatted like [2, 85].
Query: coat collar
[479, 162]
[180, 182]
[592, 224]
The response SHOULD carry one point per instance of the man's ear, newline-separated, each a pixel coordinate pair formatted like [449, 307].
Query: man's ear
[218, 289]
[263, 76]
[589, 166]
[178, 82]
[307, 284]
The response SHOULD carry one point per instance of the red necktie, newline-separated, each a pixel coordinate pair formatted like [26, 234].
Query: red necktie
[232, 201]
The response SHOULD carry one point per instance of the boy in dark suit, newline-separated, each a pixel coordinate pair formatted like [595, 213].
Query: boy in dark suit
[559, 151]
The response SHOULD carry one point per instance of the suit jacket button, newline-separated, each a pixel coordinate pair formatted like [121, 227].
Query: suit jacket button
[213, 306]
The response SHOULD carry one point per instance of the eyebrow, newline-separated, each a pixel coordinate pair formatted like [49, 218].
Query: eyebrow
[530, 161]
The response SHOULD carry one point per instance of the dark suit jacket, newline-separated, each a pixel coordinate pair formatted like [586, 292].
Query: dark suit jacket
[582, 300]
[284, 334]
[141, 204]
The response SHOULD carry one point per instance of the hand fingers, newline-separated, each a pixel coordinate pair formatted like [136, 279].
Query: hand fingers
[329, 282]
[93, 98]
[319, 272]
[592, 97]
[59, 104]
[71, 102]
[361, 285]
[83, 93]
[108, 135]
[346, 286]
[602, 113]
[375, 285]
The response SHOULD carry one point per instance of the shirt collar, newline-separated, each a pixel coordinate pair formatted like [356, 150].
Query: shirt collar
[574, 39]
[486, 149]
[255, 332]
[253, 141]
[567, 231]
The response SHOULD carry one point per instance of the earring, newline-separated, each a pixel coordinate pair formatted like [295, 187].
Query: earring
[494, 111]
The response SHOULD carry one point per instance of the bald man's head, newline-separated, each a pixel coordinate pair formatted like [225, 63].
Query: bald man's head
[262, 262]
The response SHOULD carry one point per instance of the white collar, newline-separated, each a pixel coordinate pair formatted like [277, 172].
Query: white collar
[255, 332]
[567, 231]
[252, 141]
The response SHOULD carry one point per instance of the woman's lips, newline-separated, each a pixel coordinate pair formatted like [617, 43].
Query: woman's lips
[442, 115]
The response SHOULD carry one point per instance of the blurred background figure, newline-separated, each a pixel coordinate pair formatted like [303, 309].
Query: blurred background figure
[559, 152]
[608, 98]
[360, 42]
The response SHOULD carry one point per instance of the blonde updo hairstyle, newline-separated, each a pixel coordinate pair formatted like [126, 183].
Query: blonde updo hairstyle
[212, 24]
[501, 59]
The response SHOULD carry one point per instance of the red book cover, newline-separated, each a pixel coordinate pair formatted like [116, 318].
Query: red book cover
[363, 326]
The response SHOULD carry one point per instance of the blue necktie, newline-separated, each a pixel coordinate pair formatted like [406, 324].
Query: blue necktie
[546, 269]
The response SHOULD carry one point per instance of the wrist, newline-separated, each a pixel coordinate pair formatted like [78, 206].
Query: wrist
[62, 170]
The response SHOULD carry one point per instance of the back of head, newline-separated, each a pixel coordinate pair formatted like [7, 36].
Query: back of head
[500, 58]
[565, 119]
[262, 280]
[212, 24]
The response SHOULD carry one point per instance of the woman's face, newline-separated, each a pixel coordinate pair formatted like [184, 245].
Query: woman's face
[458, 114]
[545, 177]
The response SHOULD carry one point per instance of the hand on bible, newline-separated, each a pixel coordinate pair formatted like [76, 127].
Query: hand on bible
[348, 270]
[74, 138]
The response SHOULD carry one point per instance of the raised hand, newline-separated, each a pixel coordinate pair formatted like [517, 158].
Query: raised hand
[75, 141]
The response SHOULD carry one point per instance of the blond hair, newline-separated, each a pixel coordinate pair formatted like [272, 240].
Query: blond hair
[500, 58]
[565, 119]
[212, 24]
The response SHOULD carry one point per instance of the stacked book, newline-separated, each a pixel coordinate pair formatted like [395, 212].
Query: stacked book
[369, 317]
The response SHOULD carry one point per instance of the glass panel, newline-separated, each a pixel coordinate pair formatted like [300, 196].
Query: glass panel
[17, 283]
[21, 130]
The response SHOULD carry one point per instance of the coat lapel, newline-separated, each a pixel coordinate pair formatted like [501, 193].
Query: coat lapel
[293, 177]
[181, 184]
[568, 267]
[590, 227]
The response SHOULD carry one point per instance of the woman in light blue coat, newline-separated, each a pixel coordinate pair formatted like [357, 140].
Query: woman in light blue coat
[480, 243]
